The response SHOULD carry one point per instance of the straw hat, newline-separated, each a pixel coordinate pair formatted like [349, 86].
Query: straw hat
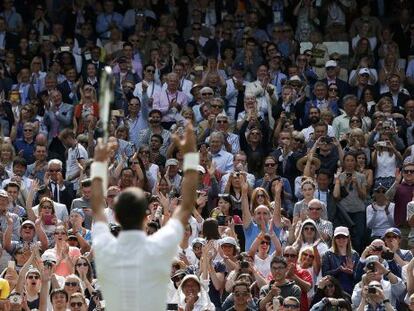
[300, 165]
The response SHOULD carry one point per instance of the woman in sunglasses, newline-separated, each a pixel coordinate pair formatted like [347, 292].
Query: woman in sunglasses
[309, 236]
[340, 260]
[330, 293]
[77, 302]
[73, 285]
[380, 213]
[83, 270]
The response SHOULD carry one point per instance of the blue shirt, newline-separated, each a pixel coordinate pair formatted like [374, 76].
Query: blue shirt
[28, 149]
[223, 161]
[252, 231]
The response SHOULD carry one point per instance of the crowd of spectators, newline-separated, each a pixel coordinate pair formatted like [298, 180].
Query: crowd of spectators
[304, 116]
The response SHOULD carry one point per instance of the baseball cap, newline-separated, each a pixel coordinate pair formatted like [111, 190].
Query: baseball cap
[341, 231]
[228, 240]
[363, 71]
[393, 230]
[171, 162]
[49, 257]
[199, 241]
[28, 222]
[331, 63]
[206, 89]
[3, 193]
[201, 169]
[238, 66]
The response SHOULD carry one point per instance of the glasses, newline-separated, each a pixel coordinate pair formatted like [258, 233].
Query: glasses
[278, 267]
[76, 304]
[270, 164]
[264, 242]
[330, 68]
[28, 130]
[60, 233]
[355, 121]
[409, 172]
[207, 94]
[217, 106]
[27, 227]
[333, 90]
[81, 264]
[54, 171]
[150, 70]
[309, 229]
[73, 284]
[260, 195]
[241, 294]
[47, 206]
[290, 255]
[341, 237]
[33, 277]
[308, 255]
[290, 306]
[222, 121]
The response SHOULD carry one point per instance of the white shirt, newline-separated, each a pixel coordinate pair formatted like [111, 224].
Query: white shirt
[153, 89]
[308, 131]
[75, 153]
[110, 215]
[61, 211]
[134, 269]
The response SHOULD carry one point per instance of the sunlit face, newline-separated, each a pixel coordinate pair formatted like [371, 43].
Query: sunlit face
[224, 206]
[309, 231]
[261, 213]
[307, 258]
[71, 286]
[308, 191]
[59, 300]
[191, 287]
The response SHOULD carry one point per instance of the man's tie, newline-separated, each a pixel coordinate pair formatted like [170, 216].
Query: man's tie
[55, 193]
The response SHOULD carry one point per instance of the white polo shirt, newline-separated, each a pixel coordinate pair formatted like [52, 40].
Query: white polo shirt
[134, 269]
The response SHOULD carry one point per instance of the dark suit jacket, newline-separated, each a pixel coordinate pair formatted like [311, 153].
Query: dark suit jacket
[343, 87]
[65, 89]
[66, 196]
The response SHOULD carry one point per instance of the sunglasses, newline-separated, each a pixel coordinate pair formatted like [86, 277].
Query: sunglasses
[81, 264]
[222, 121]
[73, 284]
[330, 90]
[60, 233]
[33, 277]
[314, 209]
[54, 171]
[150, 71]
[308, 255]
[290, 255]
[260, 195]
[207, 94]
[339, 237]
[270, 164]
[76, 304]
[408, 172]
[27, 227]
[28, 130]
[217, 106]
[264, 242]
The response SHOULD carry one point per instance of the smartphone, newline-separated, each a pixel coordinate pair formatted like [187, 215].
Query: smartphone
[372, 290]
[48, 220]
[11, 264]
[221, 220]
[172, 306]
[65, 49]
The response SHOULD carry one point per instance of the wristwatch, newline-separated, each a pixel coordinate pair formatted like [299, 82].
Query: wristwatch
[386, 301]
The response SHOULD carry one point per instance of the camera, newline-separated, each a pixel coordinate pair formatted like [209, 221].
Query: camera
[371, 266]
[244, 265]
[372, 289]
[387, 255]
[221, 220]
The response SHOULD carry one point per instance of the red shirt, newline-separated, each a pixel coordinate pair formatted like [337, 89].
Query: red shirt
[307, 277]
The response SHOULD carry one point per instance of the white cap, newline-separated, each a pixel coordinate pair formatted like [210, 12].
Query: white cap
[49, 257]
[331, 63]
[371, 258]
[341, 231]
[295, 78]
[201, 169]
[363, 71]
[3, 193]
[171, 162]
[228, 240]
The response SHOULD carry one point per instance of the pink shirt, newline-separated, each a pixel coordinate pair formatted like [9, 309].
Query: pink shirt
[162, 102]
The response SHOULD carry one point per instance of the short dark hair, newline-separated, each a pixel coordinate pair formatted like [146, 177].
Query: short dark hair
[19, 161]
[130, 208]
[59, 291]
[12, 184]
[241, 283]
[86, 182]
[278, 259]
[159, 137]
[66, 133]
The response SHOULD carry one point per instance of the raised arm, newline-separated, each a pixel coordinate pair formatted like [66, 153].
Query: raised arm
[188, 147]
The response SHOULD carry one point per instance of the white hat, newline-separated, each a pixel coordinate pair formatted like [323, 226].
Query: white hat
[28, 222]
[331, 63]
[3, 193]
[371, 258]
[199, 241]
[341, 231]
[49, 257]
[363, 71]
[171, 162]
[206, 89]
[228, 240]
[201, 169]
[295, 78]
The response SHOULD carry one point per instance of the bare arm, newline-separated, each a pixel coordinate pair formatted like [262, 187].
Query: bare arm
[189, 185]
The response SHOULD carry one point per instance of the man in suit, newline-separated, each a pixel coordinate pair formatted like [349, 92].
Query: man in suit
[58, 115]
[61, 190]
[7, 39]
[398, 95]
[331, 67]
[61, 210]
[69, 87]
